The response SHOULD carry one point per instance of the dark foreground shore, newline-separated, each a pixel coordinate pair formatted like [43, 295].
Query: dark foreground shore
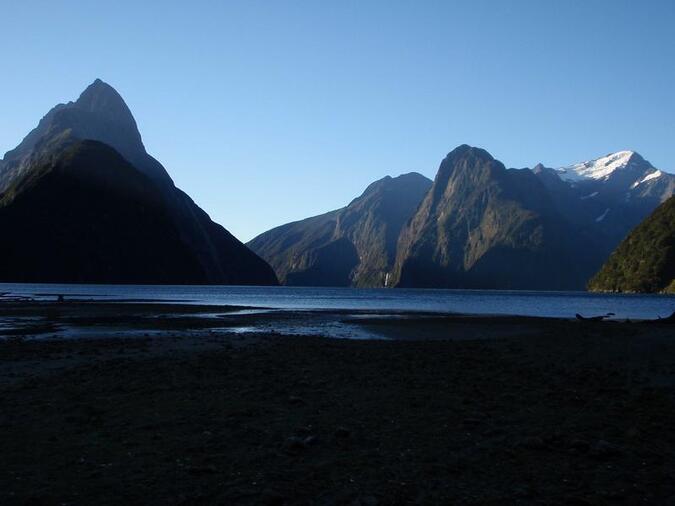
[523, 411]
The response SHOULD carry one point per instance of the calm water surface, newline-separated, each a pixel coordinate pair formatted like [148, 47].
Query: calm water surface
[557, 304]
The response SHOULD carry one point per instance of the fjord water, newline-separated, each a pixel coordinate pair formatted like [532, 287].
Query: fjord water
[497, 302]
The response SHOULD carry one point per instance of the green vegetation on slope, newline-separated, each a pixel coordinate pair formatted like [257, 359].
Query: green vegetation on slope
[645, 260]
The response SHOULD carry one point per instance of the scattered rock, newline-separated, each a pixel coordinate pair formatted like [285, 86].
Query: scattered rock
[342, 433]
[580, 445]
[531, 443]
[365, 500]
[303, 431]
[604, 450]
[310, 440]
[272, 498]
[294, 445]
[577, 501]
[522, 491]
[202, 470]
[632, 433]
[295, 401]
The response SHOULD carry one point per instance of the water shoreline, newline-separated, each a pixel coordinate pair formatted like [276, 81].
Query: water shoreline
[81, 319]
[485, 302]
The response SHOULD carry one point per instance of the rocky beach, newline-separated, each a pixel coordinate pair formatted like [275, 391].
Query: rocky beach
[177, 409]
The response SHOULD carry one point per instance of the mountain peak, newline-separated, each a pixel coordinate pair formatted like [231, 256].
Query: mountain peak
[404, 183]
[600, 168]
[464, 150]
[464, 158]
[100, 97]
[411, 176]
[99, 87]
[99, 114]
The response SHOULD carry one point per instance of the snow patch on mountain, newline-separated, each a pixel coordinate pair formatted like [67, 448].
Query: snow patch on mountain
[600, 168]
[648, 177]
[602, 216]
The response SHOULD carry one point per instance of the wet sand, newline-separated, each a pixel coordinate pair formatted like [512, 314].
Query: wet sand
[178, 409]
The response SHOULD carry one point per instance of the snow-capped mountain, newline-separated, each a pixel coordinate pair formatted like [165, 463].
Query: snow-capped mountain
[609, 195]
[600, 168]
[625, 172]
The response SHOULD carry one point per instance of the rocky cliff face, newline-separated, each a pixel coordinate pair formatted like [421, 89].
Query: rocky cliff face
[352, 246]
[483, 226]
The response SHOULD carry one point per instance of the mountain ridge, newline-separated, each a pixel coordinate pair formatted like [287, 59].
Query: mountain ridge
[481, 225]
[351, 246]
[477, 225]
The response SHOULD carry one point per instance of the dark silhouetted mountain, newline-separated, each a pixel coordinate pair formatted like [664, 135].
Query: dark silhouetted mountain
[352, 246]
[483, 226]
[100, 114]
[87, 215]
[645, 259]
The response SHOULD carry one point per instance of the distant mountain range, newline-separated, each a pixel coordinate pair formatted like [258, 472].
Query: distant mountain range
[609, 195]
[82, 201]
[478, 225]
[352, 246]
[645, 260]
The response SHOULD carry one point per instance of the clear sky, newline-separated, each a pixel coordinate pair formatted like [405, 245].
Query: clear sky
[271, 111]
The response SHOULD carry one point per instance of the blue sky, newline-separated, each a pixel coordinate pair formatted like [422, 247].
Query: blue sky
[267, 112]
